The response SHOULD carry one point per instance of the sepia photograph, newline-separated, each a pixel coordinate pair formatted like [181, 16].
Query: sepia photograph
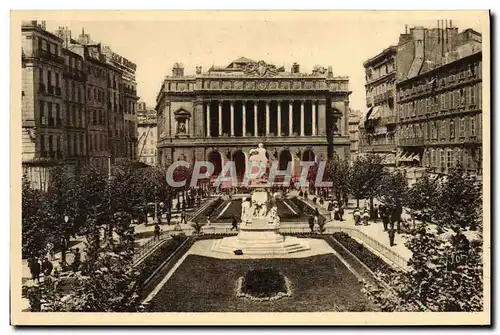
[250, 168]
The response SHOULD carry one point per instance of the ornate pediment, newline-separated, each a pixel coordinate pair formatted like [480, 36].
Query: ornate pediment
[261, 69]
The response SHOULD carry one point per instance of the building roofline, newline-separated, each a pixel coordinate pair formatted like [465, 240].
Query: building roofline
[386, 51]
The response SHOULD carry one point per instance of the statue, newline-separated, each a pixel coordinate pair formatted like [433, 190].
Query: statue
[245, 210]
[258, 154]
[273, 217]
[182, 128]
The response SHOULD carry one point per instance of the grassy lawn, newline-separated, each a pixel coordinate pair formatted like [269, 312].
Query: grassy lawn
[204, 284]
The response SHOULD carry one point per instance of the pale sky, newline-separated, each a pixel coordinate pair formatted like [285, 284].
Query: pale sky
[333, 39]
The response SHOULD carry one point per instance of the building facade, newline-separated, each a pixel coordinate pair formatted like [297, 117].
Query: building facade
[440, 111]
[147, 134]
[378, 127]
[42, 102]
[221, 114]
[354, 126]
[74, 94]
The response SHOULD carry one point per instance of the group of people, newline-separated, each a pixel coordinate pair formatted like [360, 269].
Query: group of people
[45, 267]
[314, 220]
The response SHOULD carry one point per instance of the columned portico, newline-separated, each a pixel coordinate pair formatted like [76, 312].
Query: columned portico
[271, 118]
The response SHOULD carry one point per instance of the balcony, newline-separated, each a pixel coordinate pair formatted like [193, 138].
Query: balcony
[74, 73]
[374, 148]
[388, 120]
[50, 56]
[129, 91]
[410, 142]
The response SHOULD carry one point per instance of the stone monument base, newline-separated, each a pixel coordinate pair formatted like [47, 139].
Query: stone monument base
[260, 238]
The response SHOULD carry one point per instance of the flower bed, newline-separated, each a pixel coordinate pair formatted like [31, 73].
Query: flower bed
[372, 261]
[153, 261]
[263, 285]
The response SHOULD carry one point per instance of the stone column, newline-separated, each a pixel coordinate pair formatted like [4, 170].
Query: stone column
[279, 118]
[290, 118]
[314, 132]
[220, 118]
[321, 117]
[302, 118]
[208, 119]
[268, 118]
[255, 130]
[232, 118]
[244, 117]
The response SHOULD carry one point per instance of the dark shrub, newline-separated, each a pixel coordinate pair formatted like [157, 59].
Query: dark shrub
[263, 283]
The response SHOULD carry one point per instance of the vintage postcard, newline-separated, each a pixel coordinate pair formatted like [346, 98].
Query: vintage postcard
[250, 168]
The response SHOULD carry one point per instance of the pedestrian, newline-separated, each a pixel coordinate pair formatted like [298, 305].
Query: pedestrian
[169, 216]
[47, 268]
[332, 214]
[341, 212]
[311, 224]
[392, 234]
[50, 250]
[366, 217]
[375, 213]
[208, 220]
[157, 231]
[34, 266]
[183, 216]
[336, 215]
[234, 224]
[357, 216]
[385, 220]
[316, 218]
[305, 195]
[77, 260]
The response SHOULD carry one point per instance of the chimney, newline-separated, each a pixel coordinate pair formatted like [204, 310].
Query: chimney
[198, 70]
[330, 72]
[178, 70]
[295, 68]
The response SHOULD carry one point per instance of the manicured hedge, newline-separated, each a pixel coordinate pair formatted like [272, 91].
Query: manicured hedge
[372, 261]
[263, 283]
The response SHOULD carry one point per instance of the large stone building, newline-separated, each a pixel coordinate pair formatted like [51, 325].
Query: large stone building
[378, 126]
[221, 114]
[147, 134]
[42, 102]
[440, 108]
[77, 103]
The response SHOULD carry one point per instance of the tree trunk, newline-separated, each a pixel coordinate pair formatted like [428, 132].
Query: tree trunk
[371, 208]
[357, 202]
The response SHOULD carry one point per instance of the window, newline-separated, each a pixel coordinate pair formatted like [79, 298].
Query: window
[40, 43]
[58, 114]
[49, 78]
[452, 129]
[449, 159]
[473, 126]
[442, 107]
[75, 144]
[81, 143]
[73, 91]
[42, 112]
[42, 145]
[473, 95]
[434, 130]
[442, 131]
[461, 128]
[51, 149]
[50, 117]
[40, 74]
[57, 80]
[460, 158]
[458, 101]
[442, 159]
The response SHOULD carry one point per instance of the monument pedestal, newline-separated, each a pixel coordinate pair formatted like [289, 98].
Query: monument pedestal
[260, 238]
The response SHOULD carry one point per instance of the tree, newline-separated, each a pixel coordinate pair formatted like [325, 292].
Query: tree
[393, 191]
[459, 204]
[422, 198]
[365, 177]
[443, 276]
[36, 225]
[337, 172]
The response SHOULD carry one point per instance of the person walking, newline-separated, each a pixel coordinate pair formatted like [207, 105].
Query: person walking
[183, 217]
[375, 213]
[47, 268]
[50, 250]
[34, 266]
[169, 216]
[357, 216]
[341, 212]
[366, 217]
[336, 215]
[385, 220]
[208, 220]
[234, 224]
[157, 231]
[392, 233]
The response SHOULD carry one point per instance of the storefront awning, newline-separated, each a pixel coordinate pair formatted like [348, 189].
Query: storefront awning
[375, 113]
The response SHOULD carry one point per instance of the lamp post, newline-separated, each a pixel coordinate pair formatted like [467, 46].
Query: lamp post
[64, 242]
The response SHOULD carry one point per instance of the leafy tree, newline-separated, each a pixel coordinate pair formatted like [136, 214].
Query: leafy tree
[422, 198]
[393, 192]
[365, 177]
[338, 172]
[459, 204]
[443, 276]
[36, 225]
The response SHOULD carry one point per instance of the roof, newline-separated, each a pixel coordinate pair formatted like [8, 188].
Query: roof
[386, 51]
[241, 60]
